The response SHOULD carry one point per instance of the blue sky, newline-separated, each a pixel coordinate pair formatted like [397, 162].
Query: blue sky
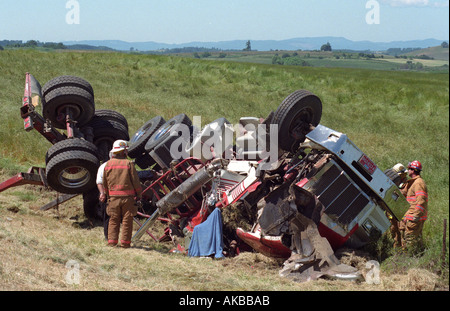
[181, 21]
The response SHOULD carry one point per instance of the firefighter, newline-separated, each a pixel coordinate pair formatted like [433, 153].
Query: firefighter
[401, 171]
[122, 188]
[415, 191]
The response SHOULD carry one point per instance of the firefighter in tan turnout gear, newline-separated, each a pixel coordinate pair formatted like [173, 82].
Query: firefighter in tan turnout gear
[122, 189]
[416, 193]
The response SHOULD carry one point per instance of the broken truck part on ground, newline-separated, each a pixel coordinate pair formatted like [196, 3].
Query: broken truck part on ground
[286, 186]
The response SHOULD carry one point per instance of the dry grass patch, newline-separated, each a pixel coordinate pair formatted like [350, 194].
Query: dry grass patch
[37, 246]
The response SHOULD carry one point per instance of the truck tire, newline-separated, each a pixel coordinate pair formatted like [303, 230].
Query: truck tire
[163, 132]
[62, 81]
[299, 110]
[142, 135]
[80, 101]
[112, 115]
[92, 206]
[106, 132]
[144, 161]
[72, 172]
[73, 144]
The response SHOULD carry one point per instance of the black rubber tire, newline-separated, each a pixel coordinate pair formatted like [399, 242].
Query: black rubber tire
[300, 107]
[163, 132]
[79, 100]
[62, 81]
[104, 127]
[112, 115]
[72, 172]
[73, 144]
[144, 161]
[91, 205]
[106, 132]
[142, 135]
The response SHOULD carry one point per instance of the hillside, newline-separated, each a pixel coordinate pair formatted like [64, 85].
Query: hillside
[392, 116]
[436, 52]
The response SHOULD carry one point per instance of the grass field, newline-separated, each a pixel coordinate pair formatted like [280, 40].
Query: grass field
[343, 59]
[393, 116]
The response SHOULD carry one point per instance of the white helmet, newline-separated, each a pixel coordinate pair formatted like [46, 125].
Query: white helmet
[119, 146]
[399, 168]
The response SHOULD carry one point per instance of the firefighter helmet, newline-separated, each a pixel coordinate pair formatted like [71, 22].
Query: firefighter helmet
[415, 165]
[119, 145]
[399, 168]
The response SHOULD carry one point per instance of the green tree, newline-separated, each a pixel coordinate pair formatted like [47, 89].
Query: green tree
[248, 46]
[444, 45]
[276, 60]
[326, 47]
[31, 43]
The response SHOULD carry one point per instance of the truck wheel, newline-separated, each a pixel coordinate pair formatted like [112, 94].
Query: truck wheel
[73, 144]
[142, 135]
[112, 115]
[72, 172]
[106, 132]
[62, 81]
[91, 205]
[164, 131]
[144, 161]
[78, 100]
[295, 116]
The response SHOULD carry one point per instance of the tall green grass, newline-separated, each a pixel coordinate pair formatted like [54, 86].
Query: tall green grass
[392, 116]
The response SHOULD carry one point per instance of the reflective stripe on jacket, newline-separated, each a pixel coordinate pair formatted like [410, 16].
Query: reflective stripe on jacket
[416, 194]
[120, 178]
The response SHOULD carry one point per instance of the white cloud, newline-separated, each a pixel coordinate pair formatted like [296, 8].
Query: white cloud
[443, 4]
[417, 3]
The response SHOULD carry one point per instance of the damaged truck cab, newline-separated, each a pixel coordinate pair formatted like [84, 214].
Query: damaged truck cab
[354, 197]
[357, 196]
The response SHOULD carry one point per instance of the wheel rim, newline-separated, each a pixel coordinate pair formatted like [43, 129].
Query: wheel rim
[139, 133]
[163, 131]
[137, 136]
[302, 119]
[74, 177]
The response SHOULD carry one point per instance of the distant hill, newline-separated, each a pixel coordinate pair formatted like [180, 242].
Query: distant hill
[312, 43]
[435, 52]
[88, 47]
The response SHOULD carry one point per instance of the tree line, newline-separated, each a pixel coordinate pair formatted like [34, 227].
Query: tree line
[32, 44]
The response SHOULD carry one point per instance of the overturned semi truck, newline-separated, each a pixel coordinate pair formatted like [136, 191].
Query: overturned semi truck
[287, 186]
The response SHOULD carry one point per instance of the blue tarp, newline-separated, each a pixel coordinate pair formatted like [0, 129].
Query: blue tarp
[207, 237]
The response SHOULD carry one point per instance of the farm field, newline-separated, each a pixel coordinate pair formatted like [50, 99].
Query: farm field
[393, 116]
[438, 61]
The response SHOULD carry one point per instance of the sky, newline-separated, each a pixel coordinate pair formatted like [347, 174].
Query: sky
[183, 21]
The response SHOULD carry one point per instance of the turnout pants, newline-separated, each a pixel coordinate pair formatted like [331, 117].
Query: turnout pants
[121, 210]
[407, 234]
[412, 233]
